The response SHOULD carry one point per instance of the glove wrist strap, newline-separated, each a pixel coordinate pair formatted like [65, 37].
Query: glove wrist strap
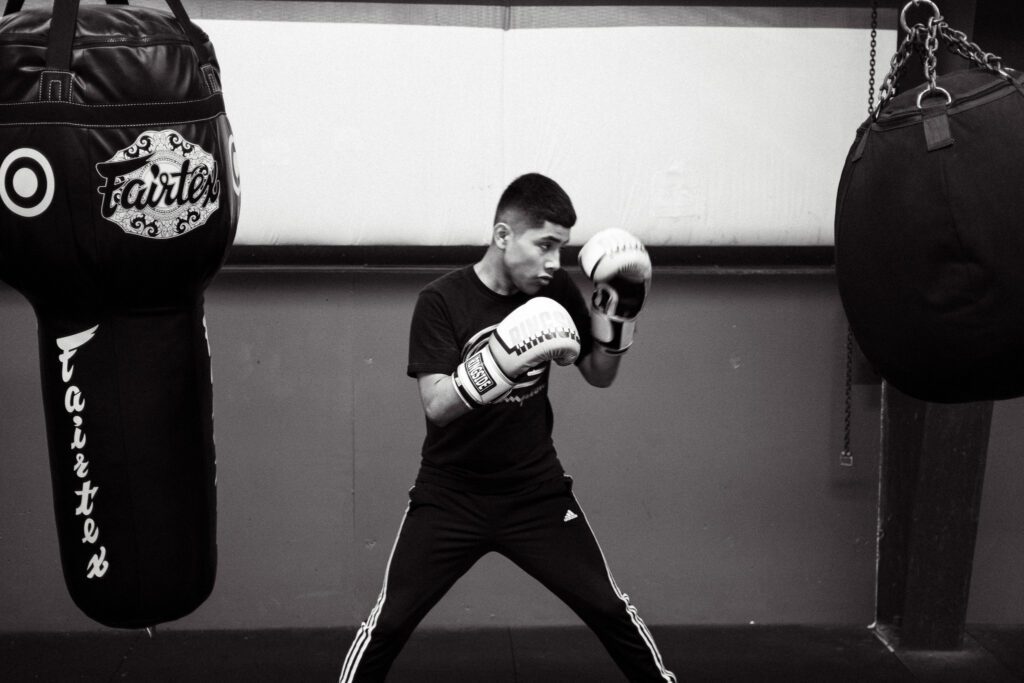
[478, 380]
[615, 336]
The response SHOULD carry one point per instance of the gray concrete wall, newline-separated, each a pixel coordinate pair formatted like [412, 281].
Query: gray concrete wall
[710, 470]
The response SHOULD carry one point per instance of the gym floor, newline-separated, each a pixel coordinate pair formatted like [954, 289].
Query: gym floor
[733, 654]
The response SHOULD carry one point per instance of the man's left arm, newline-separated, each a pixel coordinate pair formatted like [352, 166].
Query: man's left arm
[599, 367]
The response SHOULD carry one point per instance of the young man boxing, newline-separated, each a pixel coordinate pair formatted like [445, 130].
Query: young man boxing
[481, 344]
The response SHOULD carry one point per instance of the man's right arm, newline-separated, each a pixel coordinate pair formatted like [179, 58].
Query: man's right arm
[441, 401]
[488, 375]
[432, 346]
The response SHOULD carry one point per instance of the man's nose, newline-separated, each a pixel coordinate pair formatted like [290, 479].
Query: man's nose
[553, 260]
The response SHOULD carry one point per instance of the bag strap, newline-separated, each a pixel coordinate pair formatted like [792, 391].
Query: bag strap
[56, 81]
[195, 36]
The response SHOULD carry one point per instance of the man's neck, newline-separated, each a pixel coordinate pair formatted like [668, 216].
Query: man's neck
[490, 272]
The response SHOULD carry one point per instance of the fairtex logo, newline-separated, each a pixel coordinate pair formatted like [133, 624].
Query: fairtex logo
[162, 186]
[478, 375]
[74, 405]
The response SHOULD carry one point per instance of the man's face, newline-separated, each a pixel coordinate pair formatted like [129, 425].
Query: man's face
[532, 255]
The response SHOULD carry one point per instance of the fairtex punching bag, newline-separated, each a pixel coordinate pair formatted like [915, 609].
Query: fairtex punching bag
[118, 202]
[929, 228]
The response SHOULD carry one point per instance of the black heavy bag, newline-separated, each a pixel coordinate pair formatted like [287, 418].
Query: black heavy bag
[929, 229]
[118, 202]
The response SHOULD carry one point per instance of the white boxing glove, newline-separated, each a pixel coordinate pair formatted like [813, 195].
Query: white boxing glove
[620, 268]
[540, 330]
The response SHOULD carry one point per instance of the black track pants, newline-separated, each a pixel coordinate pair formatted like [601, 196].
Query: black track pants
[542, 529]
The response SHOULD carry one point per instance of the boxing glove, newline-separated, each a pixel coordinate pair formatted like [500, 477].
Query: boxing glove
[540, 330]
[620, 268]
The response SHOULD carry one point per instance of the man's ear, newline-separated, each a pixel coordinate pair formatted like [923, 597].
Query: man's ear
[502, 235]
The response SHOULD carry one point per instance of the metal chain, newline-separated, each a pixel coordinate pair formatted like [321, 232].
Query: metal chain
[874, 53]
[931, 45]
[925, 40]
[897, 65]
[846, 456]
[972, 52]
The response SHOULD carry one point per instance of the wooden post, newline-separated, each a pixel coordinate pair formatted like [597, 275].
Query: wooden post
[933, 467]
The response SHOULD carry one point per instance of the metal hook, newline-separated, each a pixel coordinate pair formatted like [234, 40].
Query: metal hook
[915, 3]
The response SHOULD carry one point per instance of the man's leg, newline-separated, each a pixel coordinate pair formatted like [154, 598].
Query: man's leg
[435, 546]
[553, 542]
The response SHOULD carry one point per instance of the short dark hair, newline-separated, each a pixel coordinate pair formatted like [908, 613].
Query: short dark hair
[539, 199]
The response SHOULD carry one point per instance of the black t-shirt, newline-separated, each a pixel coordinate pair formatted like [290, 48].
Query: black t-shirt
[507, 444]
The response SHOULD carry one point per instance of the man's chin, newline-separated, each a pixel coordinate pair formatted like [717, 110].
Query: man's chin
[533, 286]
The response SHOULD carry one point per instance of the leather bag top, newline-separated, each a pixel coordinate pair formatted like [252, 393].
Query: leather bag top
[119, 55]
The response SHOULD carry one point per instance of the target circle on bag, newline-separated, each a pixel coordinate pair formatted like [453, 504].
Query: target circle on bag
[26, 182]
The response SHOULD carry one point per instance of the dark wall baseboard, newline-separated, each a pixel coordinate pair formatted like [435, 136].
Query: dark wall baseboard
[303, 256]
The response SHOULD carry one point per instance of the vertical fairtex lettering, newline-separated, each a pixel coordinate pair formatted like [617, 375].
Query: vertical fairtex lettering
[74, 405]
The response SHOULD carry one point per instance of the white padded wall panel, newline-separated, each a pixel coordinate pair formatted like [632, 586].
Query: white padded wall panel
[683, 135]
[376, 134]
[354, 134]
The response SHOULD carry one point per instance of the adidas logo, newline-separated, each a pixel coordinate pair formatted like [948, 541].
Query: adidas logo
[569, 516]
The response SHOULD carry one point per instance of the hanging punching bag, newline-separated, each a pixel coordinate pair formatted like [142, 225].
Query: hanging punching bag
[118, 202]
[929, 227]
